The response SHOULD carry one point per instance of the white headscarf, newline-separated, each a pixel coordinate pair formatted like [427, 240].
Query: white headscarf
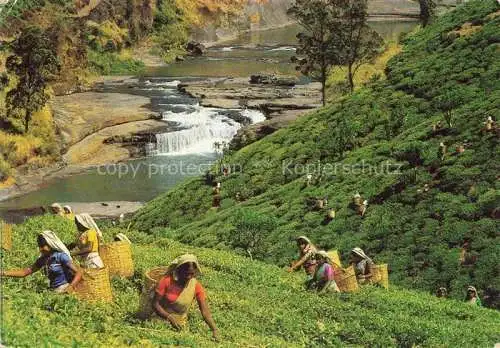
[56, 206]
[54, 242]
[471, 288]
[304, 238]
[68, 208]
[361, 253]
[179, 261]
[88, 222]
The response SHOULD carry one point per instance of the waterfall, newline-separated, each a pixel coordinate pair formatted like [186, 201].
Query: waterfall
[198, 127]
[202, 127]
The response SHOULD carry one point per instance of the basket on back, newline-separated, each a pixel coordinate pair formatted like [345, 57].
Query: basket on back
[6, 235]
[152, 278]
[380, 275]
[117, 256]
[334, 256]
[95, 285]
[346, 279]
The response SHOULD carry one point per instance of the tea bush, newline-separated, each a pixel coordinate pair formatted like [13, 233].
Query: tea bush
[253, 304]
[379, 142]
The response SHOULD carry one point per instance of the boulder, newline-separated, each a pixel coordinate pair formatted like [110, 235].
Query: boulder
[272, 79]
[195, 48]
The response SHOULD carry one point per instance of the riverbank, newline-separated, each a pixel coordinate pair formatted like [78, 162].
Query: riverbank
[86, 122]
[98, 210]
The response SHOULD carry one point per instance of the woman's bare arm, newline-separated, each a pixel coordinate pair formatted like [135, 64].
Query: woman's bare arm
[207, 316]
[84, 249]
[299, 263]
[164, 314]
[20, 273]
[78, 274]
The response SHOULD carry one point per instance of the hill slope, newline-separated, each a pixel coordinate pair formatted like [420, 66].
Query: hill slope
[451, 65]
[253, 304]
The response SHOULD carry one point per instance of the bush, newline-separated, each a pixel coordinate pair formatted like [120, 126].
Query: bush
[110, 63]
[5, 170]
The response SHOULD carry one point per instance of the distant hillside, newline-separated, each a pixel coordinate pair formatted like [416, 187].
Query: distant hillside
[253, 305]
[421, 209]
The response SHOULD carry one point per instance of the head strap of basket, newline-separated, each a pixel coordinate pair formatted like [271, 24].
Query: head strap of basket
[122, 237]
[181, 260]
[323, 254]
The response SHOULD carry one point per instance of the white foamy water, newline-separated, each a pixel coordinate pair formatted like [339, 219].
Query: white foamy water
[227, 49]
[203, 127]
[152, 85]
[199, 127]
[284, 48]
[254, 115]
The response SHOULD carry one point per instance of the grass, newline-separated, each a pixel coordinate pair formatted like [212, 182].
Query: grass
[366, 72]
[254, 305]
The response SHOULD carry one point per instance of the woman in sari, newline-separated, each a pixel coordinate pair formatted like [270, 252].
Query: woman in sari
[362, 265]
[88, 241]
[307, 250]
[472, 297]
[177, 290]
[56, 209]
[442, 292]
[68, 213]
[56, 263]
[323, 280]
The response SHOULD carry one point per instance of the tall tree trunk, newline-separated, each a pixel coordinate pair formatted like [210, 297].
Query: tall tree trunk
[323, 91]
[425, 12]
[27, 120]
[323, 81]
[350, 77]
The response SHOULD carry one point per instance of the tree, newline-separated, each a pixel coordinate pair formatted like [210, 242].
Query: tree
[336, 33]
[251, 231]
[427, 11]
[35, 63]
[317, 44]
[359, 43]
[448, 101]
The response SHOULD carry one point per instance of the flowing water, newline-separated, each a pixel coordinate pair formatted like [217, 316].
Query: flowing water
[188, 151]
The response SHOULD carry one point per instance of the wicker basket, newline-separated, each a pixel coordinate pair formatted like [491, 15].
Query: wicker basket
[117, 257]
[380, 275]
[95, 285]
[152, 277]
[346, 280]
[334, 256]
[6, 235]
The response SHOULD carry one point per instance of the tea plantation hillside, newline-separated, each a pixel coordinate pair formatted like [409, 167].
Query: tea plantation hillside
[379, 142]
[253, 303]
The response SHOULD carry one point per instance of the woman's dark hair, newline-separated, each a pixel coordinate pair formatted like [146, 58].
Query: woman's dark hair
[41, 241]
[79, 226]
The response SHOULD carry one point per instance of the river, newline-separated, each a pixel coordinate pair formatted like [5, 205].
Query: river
[189, 151]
